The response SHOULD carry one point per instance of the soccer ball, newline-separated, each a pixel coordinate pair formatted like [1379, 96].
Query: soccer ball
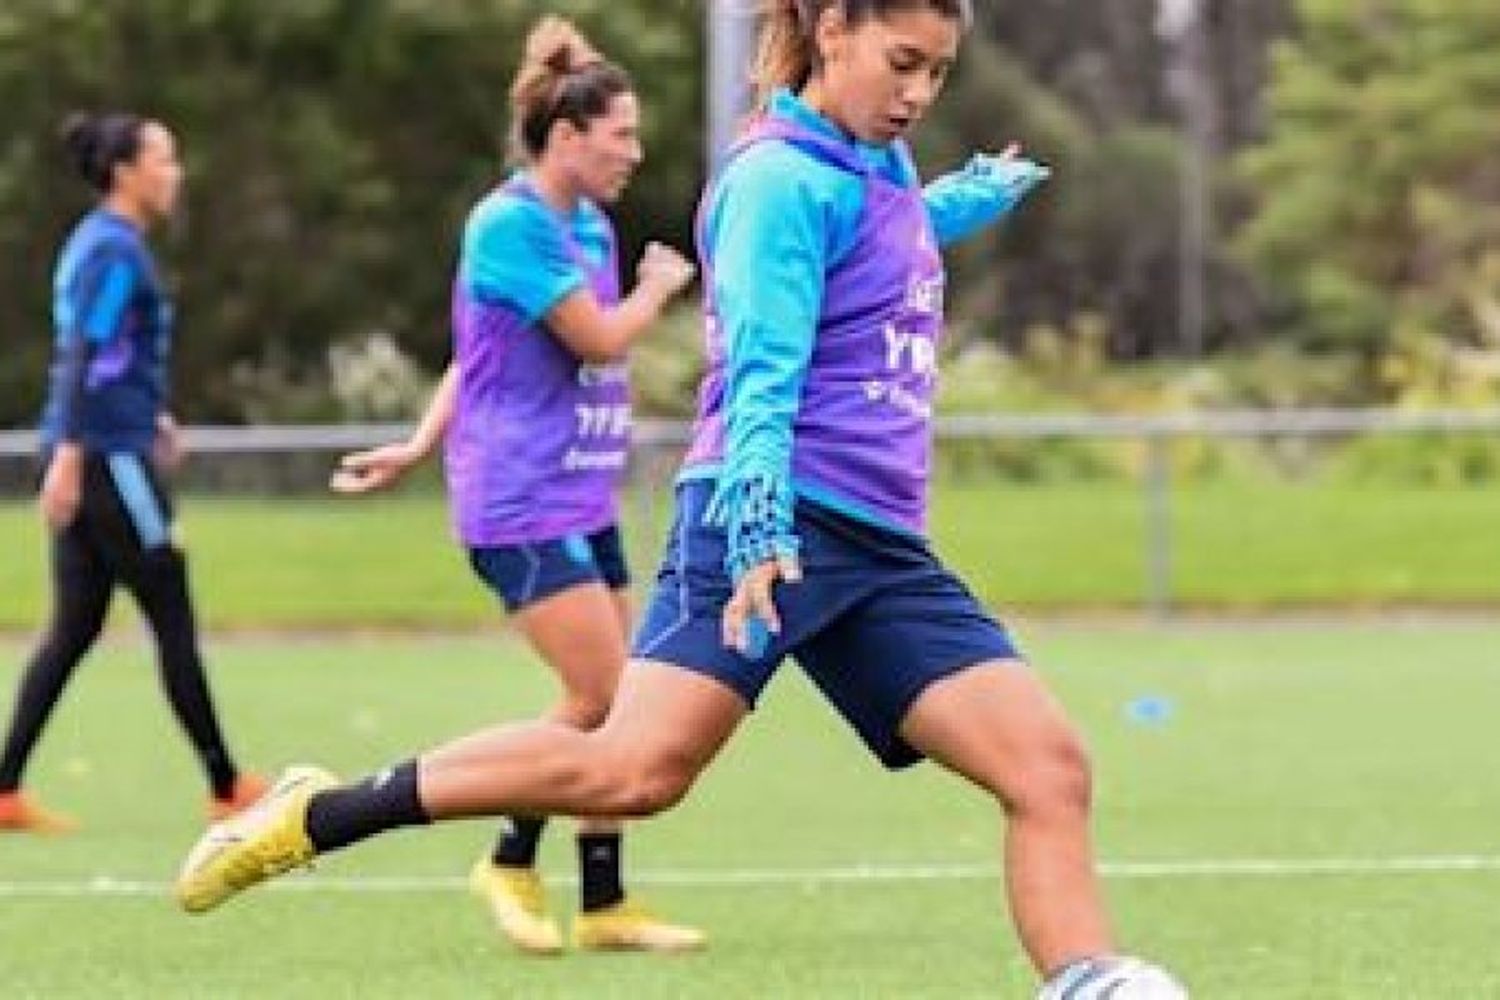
[1115, 979]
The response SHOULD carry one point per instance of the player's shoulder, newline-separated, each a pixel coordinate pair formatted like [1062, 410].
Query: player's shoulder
[505, 222]
[101, 241]
[779, 169]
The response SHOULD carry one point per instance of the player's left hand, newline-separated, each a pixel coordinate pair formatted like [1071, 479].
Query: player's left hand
[170, 448]
[753, 605]
[375, 469]
[1010, 171]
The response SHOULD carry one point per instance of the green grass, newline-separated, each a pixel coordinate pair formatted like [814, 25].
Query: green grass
[1250, 546]
[1296, 742]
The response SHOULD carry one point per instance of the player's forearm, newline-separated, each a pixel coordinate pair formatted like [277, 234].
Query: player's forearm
[962, 203]
[439, 413]
[65, 468]
[754, 500]
[624, 324]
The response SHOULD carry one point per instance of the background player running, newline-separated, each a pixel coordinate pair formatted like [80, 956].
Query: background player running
[534, 413]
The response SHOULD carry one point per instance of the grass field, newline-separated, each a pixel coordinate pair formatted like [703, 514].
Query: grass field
[1236, 546]
[1360, 749]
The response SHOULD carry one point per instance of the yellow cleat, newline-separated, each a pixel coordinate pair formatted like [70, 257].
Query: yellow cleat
[517, 901]
[628, 927]
[248, 790]
[266, 840]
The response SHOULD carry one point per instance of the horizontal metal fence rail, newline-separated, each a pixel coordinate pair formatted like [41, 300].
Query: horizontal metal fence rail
[1156, 431]
[663, 433]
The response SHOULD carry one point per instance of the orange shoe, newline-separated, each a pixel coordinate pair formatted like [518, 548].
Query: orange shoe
[248, 788]
[19, 814]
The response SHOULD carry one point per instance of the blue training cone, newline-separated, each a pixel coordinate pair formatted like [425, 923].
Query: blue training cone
[1150, 710]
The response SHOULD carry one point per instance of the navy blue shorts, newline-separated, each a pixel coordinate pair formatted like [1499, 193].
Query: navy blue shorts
[521, 575]
[875, 620]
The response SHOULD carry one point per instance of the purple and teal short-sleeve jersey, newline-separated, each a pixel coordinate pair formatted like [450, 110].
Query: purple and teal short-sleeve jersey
[539, 439]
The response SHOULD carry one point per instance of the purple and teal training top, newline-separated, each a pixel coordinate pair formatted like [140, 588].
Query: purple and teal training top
[539, 439]
[823, 314]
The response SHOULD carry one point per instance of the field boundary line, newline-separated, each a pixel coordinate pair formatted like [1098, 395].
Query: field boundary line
[1208, 868]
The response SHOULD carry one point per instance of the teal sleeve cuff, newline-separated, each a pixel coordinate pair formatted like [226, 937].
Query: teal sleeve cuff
[962, 203]
[756, 511]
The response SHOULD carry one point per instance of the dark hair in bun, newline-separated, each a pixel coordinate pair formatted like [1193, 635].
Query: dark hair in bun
[96, 142]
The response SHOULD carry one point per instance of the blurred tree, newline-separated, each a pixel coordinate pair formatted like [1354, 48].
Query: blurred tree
[1378, 193]
[333, 147]
[1083, 83]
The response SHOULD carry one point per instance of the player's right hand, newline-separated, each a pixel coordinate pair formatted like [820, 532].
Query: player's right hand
[664, 270]
[62, 487]
[376, 469]
[753, 607]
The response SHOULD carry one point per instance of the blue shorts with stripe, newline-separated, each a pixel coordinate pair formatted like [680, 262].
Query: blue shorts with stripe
[522, 575]
[874, 622]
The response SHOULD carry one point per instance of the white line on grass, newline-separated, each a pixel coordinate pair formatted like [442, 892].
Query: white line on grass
[1273, 868]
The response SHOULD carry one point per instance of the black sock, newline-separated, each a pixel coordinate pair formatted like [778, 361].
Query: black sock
[381, 802]
[599, 870]
[518, 842]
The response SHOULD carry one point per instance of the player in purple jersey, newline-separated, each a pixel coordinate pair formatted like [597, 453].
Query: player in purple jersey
[801, 517]
[534, 416]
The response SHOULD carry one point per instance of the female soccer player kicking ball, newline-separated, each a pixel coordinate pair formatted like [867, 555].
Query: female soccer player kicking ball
[535, 410]
[801, 517]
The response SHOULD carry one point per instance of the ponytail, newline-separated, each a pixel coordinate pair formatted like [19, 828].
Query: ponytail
[786, 55]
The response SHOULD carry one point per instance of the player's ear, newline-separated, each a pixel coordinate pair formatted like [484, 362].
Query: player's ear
[563, 131]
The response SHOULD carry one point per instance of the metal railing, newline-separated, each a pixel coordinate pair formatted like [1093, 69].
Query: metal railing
[1157, 433]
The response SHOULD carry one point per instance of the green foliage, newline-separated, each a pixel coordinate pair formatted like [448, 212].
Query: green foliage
[1095, 240]
[333, 147]
[667, 364]
[1378, 198]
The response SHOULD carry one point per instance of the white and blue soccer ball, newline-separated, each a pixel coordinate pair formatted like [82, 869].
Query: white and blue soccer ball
[1119, 978]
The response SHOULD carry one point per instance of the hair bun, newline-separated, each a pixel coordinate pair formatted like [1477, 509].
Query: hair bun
[96, 142]
[560, 60]
[80, 136]
[559, 47]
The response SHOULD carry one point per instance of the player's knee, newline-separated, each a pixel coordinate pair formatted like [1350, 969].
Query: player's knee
[583, 710]
[1055, 779]
[652, 784]
[72, 633]
[69, 643]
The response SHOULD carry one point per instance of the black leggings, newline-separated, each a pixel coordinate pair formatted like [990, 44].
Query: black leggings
[122, 534]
